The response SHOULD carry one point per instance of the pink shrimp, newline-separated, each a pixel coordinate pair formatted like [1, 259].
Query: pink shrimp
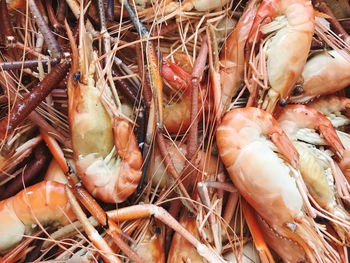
[249, 136]
[292, 22]
[313, 164]
[324, 73]
[109, 175]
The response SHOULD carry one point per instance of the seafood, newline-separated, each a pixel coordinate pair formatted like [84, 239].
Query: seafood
[321, 76]
[288, 24]
[208, 165]
[157, 77]
[151, 246]
[287, 249]
[313, 167]
[31, 100]
[187, 5]
[336, 110]
[106, 153]
[180, 249]
[42, 204]
[233, 58]
[243, 135]
[177, 112]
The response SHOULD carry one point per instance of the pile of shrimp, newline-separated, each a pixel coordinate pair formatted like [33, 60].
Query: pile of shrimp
[175, 131]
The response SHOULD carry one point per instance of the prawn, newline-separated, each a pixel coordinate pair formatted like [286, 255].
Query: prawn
[233, 58]
[290, 25]
[313, 166]
[44, 203]
[177, 116]
[180, 249]
[151, 246]
[250, 135]
[287, 249]
[324, 73]
[205, 162]
[336, 109]
[176, 8]
[106, 152]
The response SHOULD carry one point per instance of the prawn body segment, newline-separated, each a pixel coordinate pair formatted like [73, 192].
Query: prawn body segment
[295, 117]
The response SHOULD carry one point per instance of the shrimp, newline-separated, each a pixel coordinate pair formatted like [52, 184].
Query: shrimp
[181, 250]
[292, 24]
[250, 135]
[177, 116]
[151, 246]
[336, 109]
[324, 73]
[176, 7]
[106, 153]
[45, 203]
[157, 170]
[233, 58]
[313, 166]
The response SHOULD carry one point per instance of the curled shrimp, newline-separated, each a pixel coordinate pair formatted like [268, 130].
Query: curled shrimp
[106, 152]
[250, 135]
[324, 73]
[45, 203]
[292, 24]
[314, 166]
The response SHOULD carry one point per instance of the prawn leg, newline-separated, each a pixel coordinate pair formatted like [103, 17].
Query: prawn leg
[147, 210]
[104, 249]
[8, 34]
[101, 216]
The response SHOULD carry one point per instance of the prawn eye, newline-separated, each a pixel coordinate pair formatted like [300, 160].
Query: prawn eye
[283, 103]
[158, 231]
[190, 215]
[76, 76]
[298, 90]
